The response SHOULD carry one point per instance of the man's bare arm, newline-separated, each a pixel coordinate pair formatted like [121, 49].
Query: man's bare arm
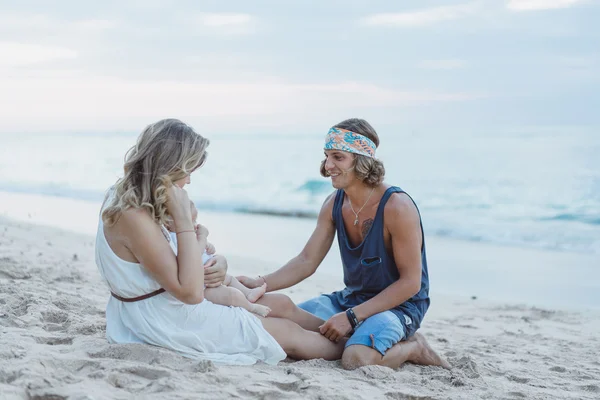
[306, 263]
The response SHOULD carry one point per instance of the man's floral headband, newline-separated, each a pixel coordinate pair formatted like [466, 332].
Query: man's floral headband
[345, 140]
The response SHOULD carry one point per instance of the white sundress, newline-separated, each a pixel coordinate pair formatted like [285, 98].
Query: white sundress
[208, 331]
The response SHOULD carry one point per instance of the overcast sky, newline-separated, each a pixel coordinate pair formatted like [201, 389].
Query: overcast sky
[298, 66]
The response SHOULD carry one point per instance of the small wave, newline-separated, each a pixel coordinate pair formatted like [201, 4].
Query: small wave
[55, 191]
[584, 218]
[242, 208]
[280, 213]
[315, 187]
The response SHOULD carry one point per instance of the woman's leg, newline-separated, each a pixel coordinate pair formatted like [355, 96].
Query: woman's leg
[301, 344]
[283, 307]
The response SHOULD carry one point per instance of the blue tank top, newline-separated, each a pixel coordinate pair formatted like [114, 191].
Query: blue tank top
[369, 268]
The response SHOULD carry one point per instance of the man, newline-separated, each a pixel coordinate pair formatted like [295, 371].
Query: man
[383, 254]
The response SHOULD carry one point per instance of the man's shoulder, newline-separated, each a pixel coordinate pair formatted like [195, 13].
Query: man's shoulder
[400, 205]
[327, 207]
[328, 203]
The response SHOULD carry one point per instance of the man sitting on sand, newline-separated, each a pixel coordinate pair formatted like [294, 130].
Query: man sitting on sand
[382, 247]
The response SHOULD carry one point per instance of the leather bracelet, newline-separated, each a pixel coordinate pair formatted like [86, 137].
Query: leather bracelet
[352, 318]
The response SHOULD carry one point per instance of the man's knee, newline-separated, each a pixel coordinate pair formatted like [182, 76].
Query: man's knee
[356, 356]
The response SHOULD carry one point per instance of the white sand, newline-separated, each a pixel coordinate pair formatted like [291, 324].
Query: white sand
[52, 343]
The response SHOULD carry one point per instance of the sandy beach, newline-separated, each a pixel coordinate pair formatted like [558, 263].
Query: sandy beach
[500, 345]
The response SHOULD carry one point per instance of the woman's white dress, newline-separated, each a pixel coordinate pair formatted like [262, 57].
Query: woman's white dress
[207, 331]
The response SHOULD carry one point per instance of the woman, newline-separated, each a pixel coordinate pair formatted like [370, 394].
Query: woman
[158, 288]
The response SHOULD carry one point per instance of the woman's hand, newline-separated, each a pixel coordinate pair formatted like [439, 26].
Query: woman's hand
[178, 207]
[215, 270]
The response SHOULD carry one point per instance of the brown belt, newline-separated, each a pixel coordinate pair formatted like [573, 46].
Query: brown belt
[143, 297]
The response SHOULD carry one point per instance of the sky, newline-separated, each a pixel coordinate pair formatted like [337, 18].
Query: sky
[296, 67]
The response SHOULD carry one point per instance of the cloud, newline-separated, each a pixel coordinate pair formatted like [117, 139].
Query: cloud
[423, 17]
[80, 102]
[532, 5]
[14, 54]
[225, 23]
[25, 22]
[442, 64]
[95, 24]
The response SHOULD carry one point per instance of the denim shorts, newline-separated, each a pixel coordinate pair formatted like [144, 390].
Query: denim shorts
[380, 331]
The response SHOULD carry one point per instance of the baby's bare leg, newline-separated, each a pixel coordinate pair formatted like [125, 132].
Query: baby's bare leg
[230, 296]
[251, 294]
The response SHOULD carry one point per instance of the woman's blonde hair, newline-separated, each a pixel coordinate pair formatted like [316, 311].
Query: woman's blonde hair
[166, 151]
[369, 170]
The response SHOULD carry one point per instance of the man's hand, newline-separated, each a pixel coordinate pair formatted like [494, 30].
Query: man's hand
[336, 327]
[250, 283]
[215, 270]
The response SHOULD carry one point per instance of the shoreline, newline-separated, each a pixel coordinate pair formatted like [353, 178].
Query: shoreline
[501, 273]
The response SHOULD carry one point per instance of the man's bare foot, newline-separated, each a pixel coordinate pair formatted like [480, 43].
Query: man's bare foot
[261, 310]
[255, 294]
[425, 355]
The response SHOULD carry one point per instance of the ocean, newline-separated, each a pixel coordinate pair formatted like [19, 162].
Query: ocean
[535, 188]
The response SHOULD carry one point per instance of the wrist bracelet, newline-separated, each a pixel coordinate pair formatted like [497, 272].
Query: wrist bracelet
[352, 317]
[177, 233]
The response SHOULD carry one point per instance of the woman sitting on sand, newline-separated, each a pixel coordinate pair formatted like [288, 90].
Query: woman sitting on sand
[158, 288]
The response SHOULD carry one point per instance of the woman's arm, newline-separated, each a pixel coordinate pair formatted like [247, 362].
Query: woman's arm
[181, 275]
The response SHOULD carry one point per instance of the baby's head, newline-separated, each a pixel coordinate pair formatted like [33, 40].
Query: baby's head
[194, 212]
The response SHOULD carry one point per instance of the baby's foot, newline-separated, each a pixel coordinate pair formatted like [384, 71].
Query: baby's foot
[256, 293]
[261, 310]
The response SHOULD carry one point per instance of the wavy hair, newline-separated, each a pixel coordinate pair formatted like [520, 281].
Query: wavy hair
[368, 170]
[166, 151]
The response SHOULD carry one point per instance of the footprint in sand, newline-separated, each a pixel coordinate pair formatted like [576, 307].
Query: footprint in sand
[11, 269]
[404, 396]
[141, 353]
[55, 320]
[517, 379]
[204, 366]
[294, 386]
[9, 377]
[558, 369]
[54, 341]
[591, 388]
[147, 373]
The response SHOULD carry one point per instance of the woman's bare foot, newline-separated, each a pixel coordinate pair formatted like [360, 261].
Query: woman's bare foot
[255, 294]
[261, 310]
[425, 355]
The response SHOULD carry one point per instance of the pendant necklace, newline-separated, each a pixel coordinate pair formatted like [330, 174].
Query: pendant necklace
[356, 213]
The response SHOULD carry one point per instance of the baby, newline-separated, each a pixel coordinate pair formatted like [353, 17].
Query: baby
[231, 292]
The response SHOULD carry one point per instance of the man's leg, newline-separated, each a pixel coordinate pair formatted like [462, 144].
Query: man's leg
[415, 350]
[380, 340]
[283, 307]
